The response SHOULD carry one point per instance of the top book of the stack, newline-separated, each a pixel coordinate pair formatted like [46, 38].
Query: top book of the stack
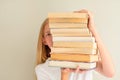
[67, 15]
[68, 20]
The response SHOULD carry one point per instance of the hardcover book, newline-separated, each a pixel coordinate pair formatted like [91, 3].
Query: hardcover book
[74, 57]
[70, 64]
[74, 50]
[67, 25]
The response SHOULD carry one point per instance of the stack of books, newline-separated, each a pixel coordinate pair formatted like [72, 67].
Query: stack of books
[73, 43]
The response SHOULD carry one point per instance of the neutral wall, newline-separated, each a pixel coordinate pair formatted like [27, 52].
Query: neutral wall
[19, 28]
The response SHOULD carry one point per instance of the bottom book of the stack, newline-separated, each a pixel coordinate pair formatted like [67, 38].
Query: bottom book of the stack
[69, 64]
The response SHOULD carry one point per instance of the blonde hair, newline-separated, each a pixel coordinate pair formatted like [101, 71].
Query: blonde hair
[42, 50]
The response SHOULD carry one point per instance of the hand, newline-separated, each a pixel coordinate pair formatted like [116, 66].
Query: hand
[69, 70]
[65, 72]
[90, 19]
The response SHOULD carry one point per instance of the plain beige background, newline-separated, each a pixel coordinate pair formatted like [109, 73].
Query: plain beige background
[20, 21]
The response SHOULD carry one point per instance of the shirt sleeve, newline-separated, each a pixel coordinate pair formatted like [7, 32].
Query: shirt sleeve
[41, 74]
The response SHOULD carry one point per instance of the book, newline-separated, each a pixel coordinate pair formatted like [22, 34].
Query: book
[67, 15]
[73, 31]
[71, 44]
[68, 20]
[74, 50]
[72, 35]
[74, 57]
[74, 65]
[77, 39]
[66, 25]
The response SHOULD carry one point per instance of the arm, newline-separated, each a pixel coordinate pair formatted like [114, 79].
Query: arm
[105, 65]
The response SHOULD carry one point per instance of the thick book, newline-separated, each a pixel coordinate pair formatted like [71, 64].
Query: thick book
[66, 25]
[75, 57]
[73, 31]
[67, 15]
[68, 64]
[74, 50]
[71, 44]
[80, 39]
[68, 20]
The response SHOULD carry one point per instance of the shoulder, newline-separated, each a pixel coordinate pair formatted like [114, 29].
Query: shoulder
[41, 67]
[41, 73]
[46, 68]
[45, 72]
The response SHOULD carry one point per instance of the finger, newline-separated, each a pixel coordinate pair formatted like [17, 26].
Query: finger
[80, 11]
[82, 71]
[77, 70]
[65, 69]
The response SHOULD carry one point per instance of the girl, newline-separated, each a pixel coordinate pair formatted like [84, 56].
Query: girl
[44, 72]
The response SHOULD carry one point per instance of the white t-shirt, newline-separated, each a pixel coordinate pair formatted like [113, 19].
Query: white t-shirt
[45, 72]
